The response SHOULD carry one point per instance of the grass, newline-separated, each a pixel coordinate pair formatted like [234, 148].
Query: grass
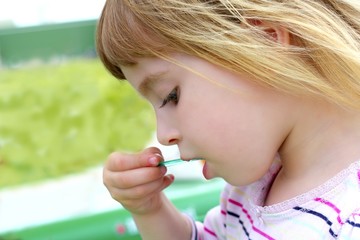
[61, 119]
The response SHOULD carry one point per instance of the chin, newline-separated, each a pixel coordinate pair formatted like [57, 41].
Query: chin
[237, 181]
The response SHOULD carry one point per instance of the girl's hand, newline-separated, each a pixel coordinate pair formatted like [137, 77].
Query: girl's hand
[135, 180]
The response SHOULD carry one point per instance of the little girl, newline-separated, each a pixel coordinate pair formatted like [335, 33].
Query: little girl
[266, 92]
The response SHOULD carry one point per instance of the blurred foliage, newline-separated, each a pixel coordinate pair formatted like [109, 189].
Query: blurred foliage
[61, 119]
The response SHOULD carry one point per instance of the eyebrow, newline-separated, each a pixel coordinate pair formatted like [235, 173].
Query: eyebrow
[149, 81]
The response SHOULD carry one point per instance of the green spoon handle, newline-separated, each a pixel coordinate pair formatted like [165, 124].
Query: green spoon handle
[175, 162]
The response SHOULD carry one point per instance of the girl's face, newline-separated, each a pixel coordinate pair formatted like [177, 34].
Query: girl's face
[227, 119]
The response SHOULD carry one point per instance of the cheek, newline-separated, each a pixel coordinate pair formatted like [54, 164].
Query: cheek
[238, 148]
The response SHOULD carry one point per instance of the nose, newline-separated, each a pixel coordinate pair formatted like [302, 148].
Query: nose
[167, 133]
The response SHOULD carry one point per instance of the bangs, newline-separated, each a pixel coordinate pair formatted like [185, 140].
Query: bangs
[122, 37]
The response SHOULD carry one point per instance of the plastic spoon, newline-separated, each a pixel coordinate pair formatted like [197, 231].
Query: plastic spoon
[173, 162]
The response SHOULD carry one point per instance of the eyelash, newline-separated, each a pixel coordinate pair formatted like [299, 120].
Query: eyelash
[173, 97]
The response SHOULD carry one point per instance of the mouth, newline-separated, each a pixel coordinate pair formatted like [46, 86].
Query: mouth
[172, 162]
[191, 159]
[185, 159]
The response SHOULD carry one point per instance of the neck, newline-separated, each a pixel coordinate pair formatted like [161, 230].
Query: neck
[324, 141]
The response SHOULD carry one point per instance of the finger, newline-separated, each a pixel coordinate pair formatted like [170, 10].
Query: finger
[134, 177]
[168, 180]
[141, 192]
[121, 161]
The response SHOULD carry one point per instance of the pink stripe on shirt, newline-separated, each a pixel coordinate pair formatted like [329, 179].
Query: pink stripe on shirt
[210, 232]
[236, 203]
[331, 205]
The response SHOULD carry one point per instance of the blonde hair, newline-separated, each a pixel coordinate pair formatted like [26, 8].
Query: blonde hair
[323, 58]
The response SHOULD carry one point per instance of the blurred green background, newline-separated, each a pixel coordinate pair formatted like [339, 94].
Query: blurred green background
[62, 112]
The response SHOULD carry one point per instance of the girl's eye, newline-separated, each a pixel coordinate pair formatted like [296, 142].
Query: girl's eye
[173, 97]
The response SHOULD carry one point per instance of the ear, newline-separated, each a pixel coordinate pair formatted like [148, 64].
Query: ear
[276, 32]
[279, 34]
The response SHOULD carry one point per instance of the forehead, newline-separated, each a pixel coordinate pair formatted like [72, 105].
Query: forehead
[145, 70]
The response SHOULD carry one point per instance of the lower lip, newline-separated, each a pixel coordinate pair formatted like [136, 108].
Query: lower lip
[206, 171]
